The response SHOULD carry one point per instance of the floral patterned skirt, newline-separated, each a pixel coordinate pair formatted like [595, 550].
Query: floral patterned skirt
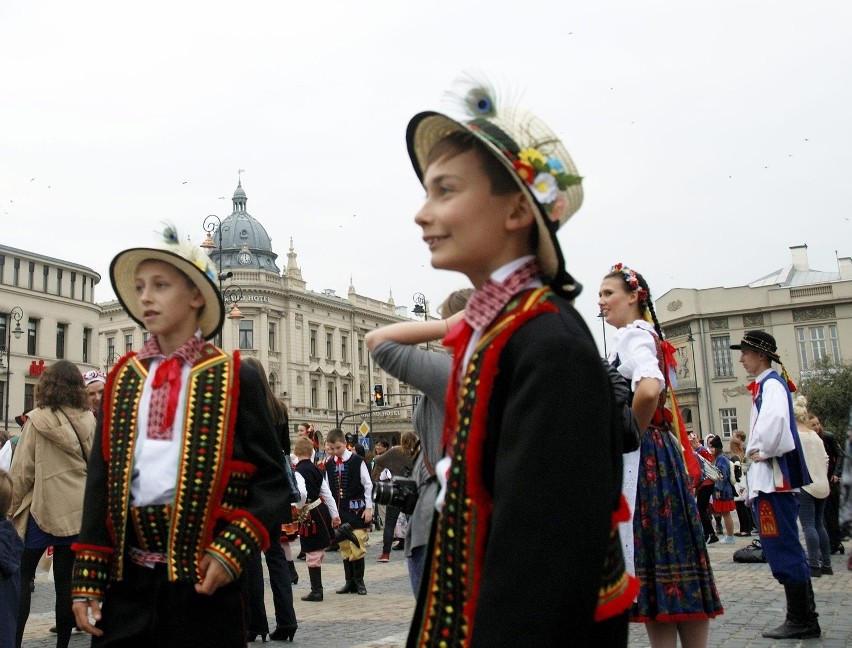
[671, 561]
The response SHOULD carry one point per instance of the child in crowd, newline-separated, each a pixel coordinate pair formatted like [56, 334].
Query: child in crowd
[317, 514]
[186, 475]
[498, 186]
[723, 492]
[352, 490]
[11, 549]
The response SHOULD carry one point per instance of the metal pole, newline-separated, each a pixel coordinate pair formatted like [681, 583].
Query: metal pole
[16, 313]
[691, 340]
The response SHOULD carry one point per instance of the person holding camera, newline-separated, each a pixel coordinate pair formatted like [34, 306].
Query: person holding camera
[395, 349]
[399, 462]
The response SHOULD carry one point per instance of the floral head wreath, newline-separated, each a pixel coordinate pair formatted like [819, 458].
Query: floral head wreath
[632, 280]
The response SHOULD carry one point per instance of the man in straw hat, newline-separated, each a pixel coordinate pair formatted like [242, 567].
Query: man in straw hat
[777, 472]
[188, 476]
[498, 186]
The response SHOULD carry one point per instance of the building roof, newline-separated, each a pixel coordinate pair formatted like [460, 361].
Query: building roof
[789, 276]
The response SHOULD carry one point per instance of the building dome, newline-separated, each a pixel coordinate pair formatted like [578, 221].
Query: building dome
[245, 243]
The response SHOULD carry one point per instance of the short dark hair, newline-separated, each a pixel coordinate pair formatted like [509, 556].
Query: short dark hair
[459, 142]
[61, 385]
[335, 435]
[383, 443]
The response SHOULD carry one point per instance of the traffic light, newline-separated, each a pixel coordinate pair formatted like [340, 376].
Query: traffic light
[379, 395]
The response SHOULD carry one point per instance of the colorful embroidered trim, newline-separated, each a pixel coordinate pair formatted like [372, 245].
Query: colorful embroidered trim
[236, 543]
[91, 571]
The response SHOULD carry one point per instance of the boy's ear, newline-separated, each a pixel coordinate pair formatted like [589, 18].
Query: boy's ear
[198, 299]
[522, 215]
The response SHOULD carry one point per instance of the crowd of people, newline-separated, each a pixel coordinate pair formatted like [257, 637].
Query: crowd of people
[160, 486]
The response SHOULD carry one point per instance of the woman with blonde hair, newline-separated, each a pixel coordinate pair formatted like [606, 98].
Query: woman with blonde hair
[49, 479]
[740, 461]
[812, 497]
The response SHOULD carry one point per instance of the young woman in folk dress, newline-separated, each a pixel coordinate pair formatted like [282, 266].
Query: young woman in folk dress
[677, 595]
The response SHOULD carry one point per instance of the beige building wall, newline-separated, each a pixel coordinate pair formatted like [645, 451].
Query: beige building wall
[59, 319]
[808, 312]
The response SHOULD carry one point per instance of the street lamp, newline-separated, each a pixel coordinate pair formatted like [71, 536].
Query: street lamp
[232, 294]
[691, 339]
[15, 314]
[111, 359]
[603, 328]
[421, 307]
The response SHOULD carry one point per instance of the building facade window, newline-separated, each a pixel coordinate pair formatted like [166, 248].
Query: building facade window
[2, 267]
[246, 334]
[16, 272]
[59, 281]
[329, 394]
[817, 343]
[3, 331]
[128, 342]
[344, 348]
[314, 395]
[29, 397]
[723, 366]
[273, 383]
[329, 341]
[272, 336]
[110, 351]
[83, 289]
[360, 351]
[345, 397]
[61, 332]
[31, 276]
[313, 343]
[32, 337]
[44, 275]
[87, 340]
[728, 419]
[73, 285]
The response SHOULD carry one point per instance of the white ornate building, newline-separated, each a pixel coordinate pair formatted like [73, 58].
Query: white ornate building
[809, 313]
[47, 313]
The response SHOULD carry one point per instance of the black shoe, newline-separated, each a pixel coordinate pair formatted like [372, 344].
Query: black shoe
[349, 586]
[837, 549]
[358, 576]
[252, 636]
[301, 556]
[712, 538]
[827, 570]
[283, 633]
[816, 572]
[399, 546]
[791, 630]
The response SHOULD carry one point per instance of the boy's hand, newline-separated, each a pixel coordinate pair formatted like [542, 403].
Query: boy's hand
[335, 522]
[367, 515]
[213, 576]
[81, 616]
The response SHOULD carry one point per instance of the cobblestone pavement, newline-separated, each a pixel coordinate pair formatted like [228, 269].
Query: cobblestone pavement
[753, 602]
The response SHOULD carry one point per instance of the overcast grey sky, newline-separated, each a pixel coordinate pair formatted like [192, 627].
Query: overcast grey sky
[712, 135]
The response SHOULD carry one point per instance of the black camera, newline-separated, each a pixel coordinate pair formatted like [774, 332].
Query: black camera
[400, 492]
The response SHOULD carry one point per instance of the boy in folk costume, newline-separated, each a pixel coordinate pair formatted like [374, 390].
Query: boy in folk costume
[526, 368]
[352, 489]
[187, 476]
[317, 510]
[777, 471]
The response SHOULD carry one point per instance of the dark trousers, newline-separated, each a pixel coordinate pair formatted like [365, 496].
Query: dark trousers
[145, 609]
[832, 514]
[63, 565]
[281, 584]
[744, 516]
[775, 515]
[703, 499]
[391, 516]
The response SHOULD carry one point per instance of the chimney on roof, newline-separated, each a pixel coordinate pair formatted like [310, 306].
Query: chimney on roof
[844, 264]
[800, 257]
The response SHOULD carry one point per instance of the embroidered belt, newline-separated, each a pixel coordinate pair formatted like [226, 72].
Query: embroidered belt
[312, 505]
[145, 558]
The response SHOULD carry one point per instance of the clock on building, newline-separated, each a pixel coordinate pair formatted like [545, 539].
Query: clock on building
[244, 258]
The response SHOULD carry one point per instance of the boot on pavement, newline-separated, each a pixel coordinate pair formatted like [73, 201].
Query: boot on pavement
[349, 587]
[358, 575]
[801, 621]
[315, 574]
[294, 575]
